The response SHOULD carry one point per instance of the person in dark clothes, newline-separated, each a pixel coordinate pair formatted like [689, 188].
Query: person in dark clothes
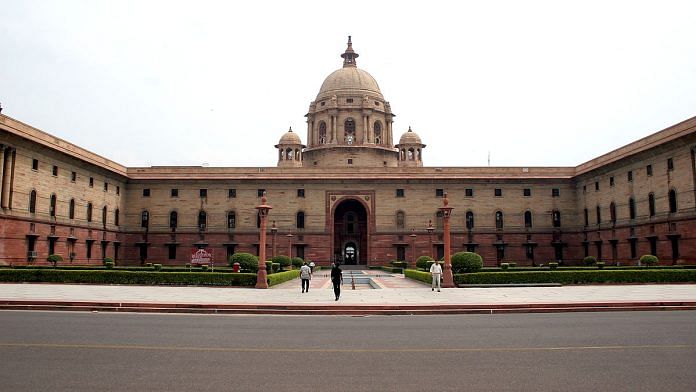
[336, 279]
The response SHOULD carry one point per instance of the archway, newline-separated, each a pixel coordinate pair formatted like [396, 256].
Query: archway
[350, 233]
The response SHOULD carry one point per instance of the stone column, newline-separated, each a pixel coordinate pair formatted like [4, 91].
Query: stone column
[6, 177]
[364, 130]
[261, 275]
[448, 279]
[334, 119]
[310, 138]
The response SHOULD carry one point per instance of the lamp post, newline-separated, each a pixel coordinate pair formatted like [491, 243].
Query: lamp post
[430, 229]
[413, 244]
[263, 209]
[448, 279]
[289, 235]
[274, 231]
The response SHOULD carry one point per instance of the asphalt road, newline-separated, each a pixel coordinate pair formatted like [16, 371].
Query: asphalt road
[631, 351]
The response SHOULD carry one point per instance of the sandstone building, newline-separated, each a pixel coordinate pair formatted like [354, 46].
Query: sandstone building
[353, 193]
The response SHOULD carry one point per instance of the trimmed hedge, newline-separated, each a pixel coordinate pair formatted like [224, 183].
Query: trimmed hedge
[247, 261]
[579, 277]
[648, 259]
[590, 260]
[126, 277]
[418, 275]
[281, 277]
[466, 262]
[393, 270]
[422, 262]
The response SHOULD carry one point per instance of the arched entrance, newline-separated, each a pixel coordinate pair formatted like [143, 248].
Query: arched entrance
[350, 233]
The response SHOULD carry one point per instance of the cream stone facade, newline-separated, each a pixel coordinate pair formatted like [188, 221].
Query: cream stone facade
[353, 192]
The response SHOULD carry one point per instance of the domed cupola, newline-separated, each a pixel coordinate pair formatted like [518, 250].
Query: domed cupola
[290, 150]
[410, 149]
[350, 123]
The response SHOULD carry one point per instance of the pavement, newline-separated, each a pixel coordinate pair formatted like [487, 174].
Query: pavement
[376, 292]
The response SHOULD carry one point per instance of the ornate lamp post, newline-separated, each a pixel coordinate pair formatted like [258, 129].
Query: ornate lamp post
[289, 235]
[430, 229]
[274, 231]
[448, 279]
[413, 244]
[263, 209]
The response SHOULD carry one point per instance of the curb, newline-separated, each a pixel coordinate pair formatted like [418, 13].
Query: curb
[282, 309]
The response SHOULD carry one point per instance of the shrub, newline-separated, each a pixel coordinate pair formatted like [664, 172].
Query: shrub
[283, 261]
[422, 262]
[157, 267]
[109, 265]
[648, 260]
[108, 260]
[590, 260]
[399, 264]
[504, 266]
[247, 261]
[394, 270]
[54, 259]
[126, 277]
[204, 267]
[275, 267]
[600, 265]
[418, 275]
[297, 262]
[513, 265]
[553, 265]
[281, 277]
[652, 275]
[148, 264]
[463, 262]
[188, 266]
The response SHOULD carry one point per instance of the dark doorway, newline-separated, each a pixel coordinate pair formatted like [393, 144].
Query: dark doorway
[350, 233]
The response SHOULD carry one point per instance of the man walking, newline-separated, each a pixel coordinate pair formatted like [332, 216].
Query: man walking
[436, 271]
[336, 279]
[305, 275]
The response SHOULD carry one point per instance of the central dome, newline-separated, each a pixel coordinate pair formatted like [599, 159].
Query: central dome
[349, 80]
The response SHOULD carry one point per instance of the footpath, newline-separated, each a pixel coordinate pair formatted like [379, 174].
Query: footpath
[375, 292]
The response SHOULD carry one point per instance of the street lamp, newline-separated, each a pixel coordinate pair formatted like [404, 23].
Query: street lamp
[430, 229]
[263, 209]
[448, 279]
[413, 244]
[289, 235]
[274, 231]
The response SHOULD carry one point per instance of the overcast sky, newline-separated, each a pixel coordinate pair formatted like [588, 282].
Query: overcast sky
[536, 83]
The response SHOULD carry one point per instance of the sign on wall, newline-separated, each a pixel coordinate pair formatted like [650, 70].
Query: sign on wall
[201, 256]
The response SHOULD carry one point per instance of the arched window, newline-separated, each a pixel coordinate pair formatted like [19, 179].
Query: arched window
[411, 155]
[651, 204]
[469, 220]
[556, 218]
[399, 219]
[499, 220]
[116, 217]
[145, 219]
[32, 202]
[527, 219]
[297, 155]
[350, 222]
[631, 208]
[299, 220]
[289, 155]
[173, 219]
[403, 154]
[599, 214]
[202, 219]
[378, 132]
[322, 133]
[672, 201]
[52, 208]
[231, 220]
[349, 130]
[71, 209]
[612, 212]
[281, 153]
[104, 216]
[89, 212]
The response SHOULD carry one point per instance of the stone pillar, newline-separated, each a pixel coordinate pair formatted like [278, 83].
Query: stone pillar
[310, 137]
[261, 275]
[6, 177]
[364, 130]
[334, 119]
[448, 279]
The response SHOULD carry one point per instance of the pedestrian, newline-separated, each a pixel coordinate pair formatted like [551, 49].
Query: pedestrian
[436, 271]
[311, 266]
[305, 275]
[336, 279]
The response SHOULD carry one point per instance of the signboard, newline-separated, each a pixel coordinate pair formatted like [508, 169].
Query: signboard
[202, 256]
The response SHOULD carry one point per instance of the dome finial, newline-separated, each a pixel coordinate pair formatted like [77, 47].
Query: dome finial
[349, 55]
[409, 129]
[290, 129]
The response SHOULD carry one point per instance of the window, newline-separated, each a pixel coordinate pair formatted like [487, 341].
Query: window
[498, 220]
[55, 171]
[172, 251]
[91, 182]
[612, 212]
[586, 215]
[174, 192]
[349, 130]
[203, 192]
[596, 186]
[116, 217]
[231, 193]
[73, 176]
[173, 219]
[648, 169]
[599, 215]
[469, 220]
[71, 209]
[556, 218]
[89, 212]
[584, 189]
[555, 192]
[231, 220]
[469, 192]
[400, 219]
[611, 181]
[670, 164]
[630, 175]
[631, 208]
[118, 190]
[498, 192]
[378, 132]
[349, 100]
[322, 133]
[202, 220]
[401, 253]
[527, 219]
[106, 186]
[32, 202]
[145, 219]
[52, 208]
[651, 204]
[526, 192]
[146, 192]
[350, 161]
[300, 220]
[34, 164]
[439, 192]
[300, 193]
[104, 211]
[672, 201]
[260, 192]
[399, 193]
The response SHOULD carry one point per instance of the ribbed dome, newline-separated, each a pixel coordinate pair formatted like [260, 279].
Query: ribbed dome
[349, 81]
[290, 137]
[410, 137]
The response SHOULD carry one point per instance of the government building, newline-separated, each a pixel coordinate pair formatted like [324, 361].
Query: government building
[352, 192]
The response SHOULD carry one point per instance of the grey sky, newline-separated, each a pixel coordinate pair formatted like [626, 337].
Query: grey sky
[549, 83]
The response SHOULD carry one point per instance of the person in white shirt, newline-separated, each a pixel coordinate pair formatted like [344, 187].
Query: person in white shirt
[311, 266]
[436, 271]
[305, 275]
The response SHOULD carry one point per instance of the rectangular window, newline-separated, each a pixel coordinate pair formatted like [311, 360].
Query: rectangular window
[34, 164]
[55, 171]
[106, 186]
[118, 190]
[172, 252]
[91, 182]
[439, 192]
[526, 192]
[498, 192]
[649, 170]
[146, 192]
[555, 192]
[584, 189]
[469, 192]
[260, 192]
[630, 175]
[231, 193]
[73, 176]
[399, 193]
[596, 186]
[611, 181]
[670, 164]
[300, 193]
[350, 161]
[203, 192]
[174, 192]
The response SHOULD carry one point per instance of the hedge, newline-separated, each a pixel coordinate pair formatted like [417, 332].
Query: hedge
[280, 277]
[393, 270]
[580, 277]
[127, 277]
[418, 275]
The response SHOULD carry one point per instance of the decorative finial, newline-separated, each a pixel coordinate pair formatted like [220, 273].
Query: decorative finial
[349, 55]
[409, 129]
[290, 129]
[445, 200]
